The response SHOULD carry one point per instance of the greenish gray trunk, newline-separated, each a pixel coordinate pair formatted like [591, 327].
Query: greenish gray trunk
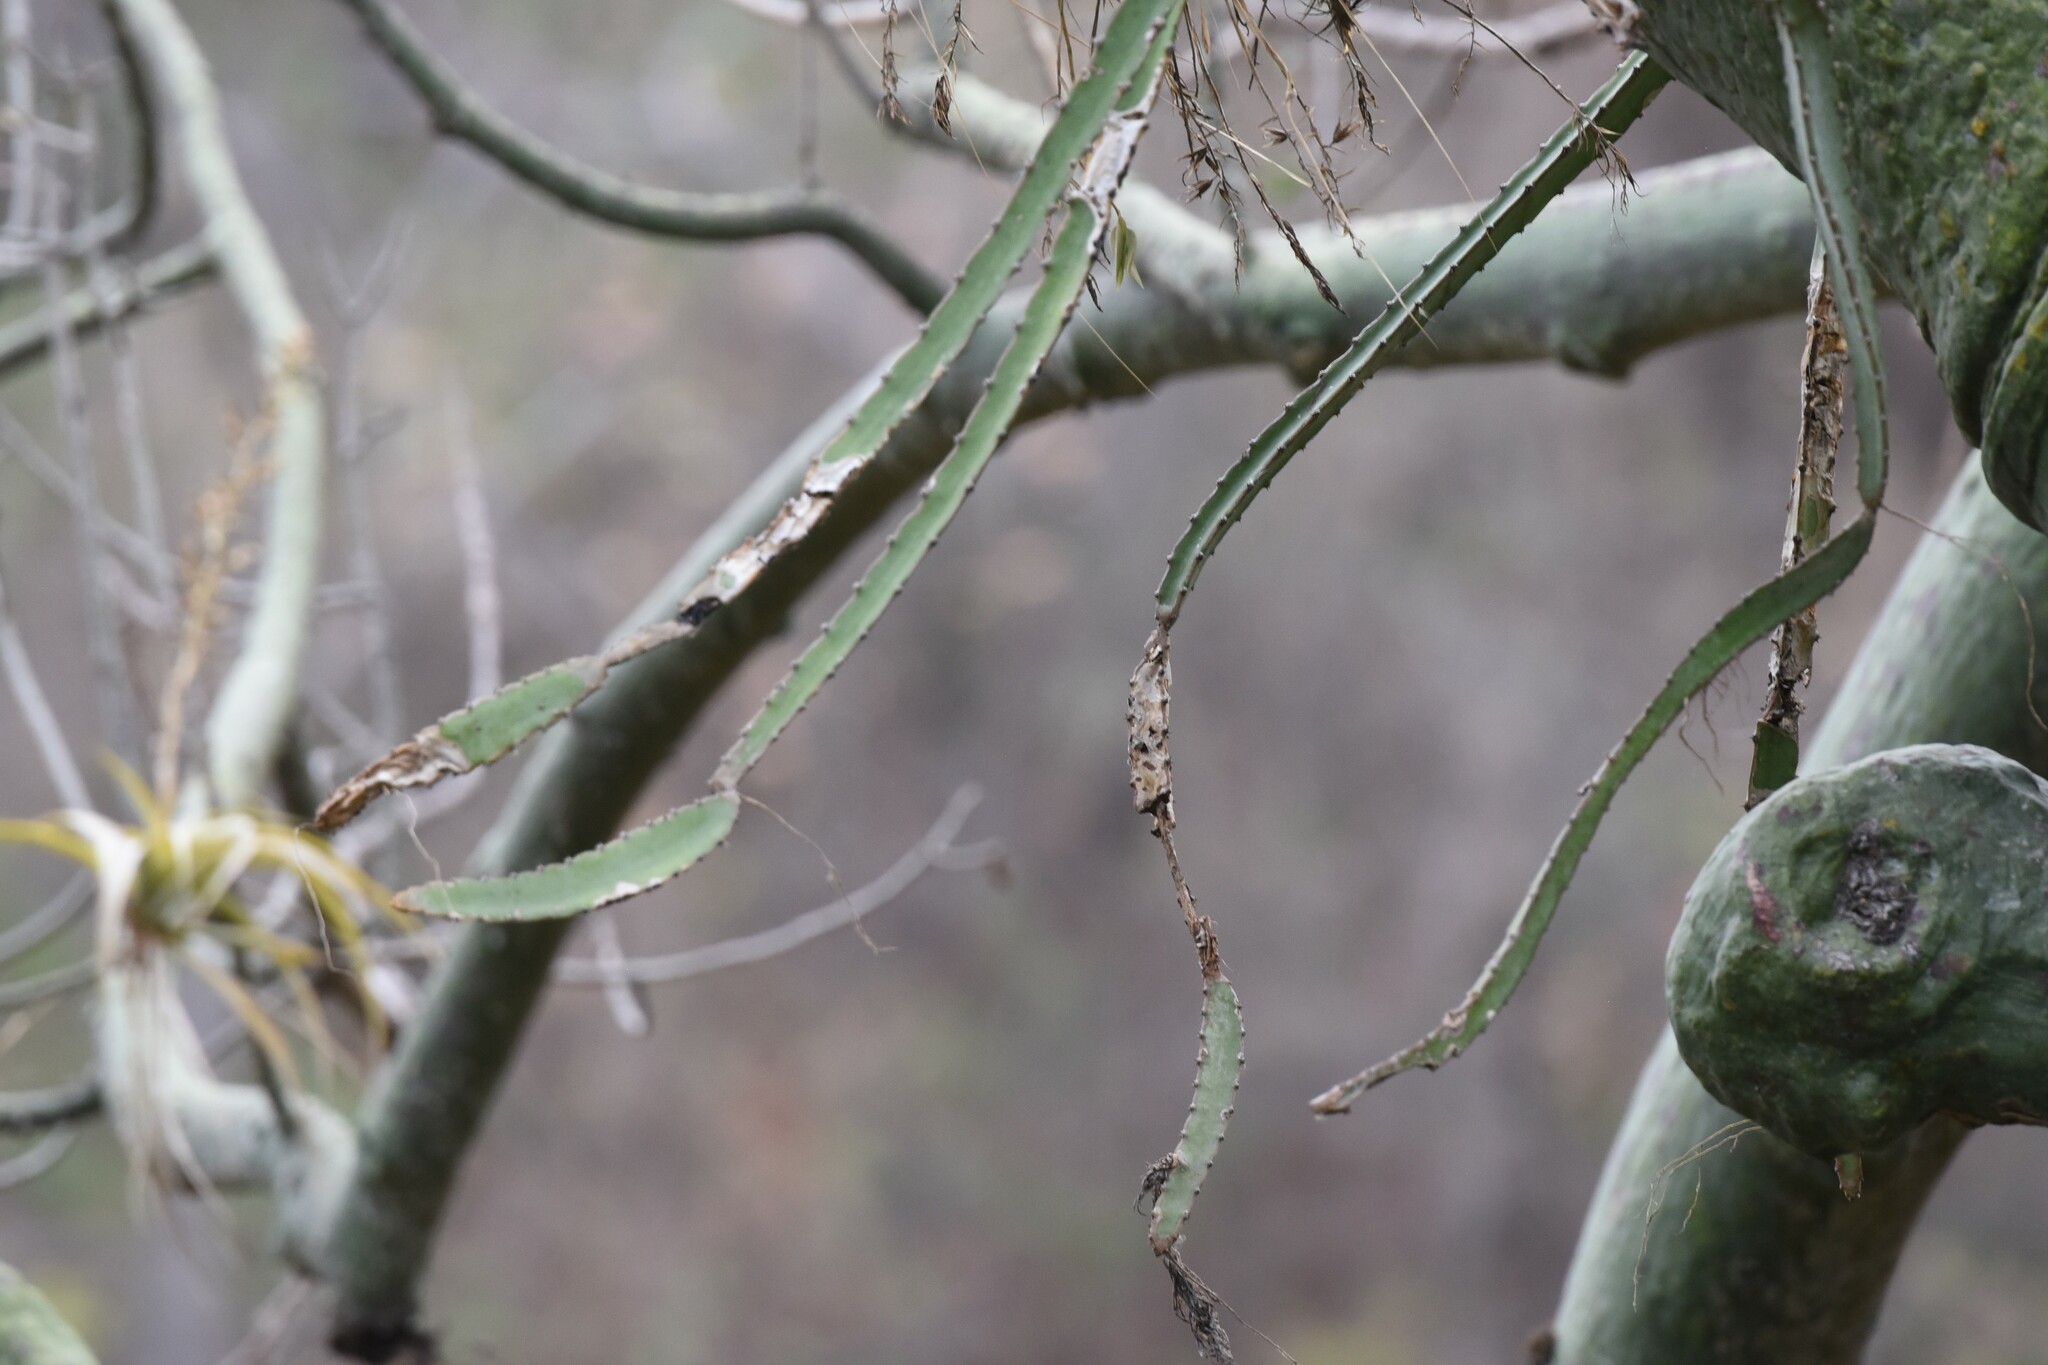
[1756, 1256]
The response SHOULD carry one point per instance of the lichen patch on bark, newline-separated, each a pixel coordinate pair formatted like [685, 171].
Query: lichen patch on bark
[1876, 892]
[1869, 948]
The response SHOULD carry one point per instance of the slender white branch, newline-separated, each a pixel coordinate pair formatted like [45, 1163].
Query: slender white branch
[124, 540]
[253, 708]
[57, 981]
[38, 1158]
[34, 703]
[120, 729]
[1397, 29]
[353, 442]
[144, 490]
[126, 294]
[627, 1000]
[479, 551]
[52, 1106]
[47, 919]
[834, 13]
[352, 730]
[20, 77]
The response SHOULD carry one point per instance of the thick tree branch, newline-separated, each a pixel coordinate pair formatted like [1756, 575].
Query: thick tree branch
[1949, 660]
[1704, 246]
[1589, 294]
[254, 705]
[837, 14]
[459, 113]
[1430, 33]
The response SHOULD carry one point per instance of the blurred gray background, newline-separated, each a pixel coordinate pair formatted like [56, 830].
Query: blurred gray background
[1389, 688]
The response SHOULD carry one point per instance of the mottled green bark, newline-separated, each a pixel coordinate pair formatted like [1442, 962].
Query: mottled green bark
[1773, 1264]
[1867, 949]
[1947, 101]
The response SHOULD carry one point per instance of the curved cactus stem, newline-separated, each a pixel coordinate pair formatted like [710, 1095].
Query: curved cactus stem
[1753, 618]
[1569, 151]
[1045, 317]
[1809, 80]
[1217, 1068]
[1175, 1180]
[485, 731]
[636, 861]
[1093, 120]
[645, 857]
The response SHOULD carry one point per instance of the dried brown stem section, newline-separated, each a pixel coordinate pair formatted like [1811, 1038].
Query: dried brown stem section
[1152, 783]
[1823, 384]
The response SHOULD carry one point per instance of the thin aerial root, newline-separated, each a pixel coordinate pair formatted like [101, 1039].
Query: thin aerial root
[1195, 1304]
[1723, 1138]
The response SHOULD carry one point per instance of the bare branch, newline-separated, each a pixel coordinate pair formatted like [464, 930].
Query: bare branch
[459, 113]
[935, 850]
[157, 280]
[352, 447]
[830, 13]
[998, 130]
[34, 704]
[48, 919]
[274, 1323]
[120, 727]
[55, 982]
[129, 222]
[16, 441]
[479, 552]
[355, 733]
[1436, 35]
[254, 705]
[31, 1111]
[39, 1159]
[631, 1010]
[132, 429]
[18, 71]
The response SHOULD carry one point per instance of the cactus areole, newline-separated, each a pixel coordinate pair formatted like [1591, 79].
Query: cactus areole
[1947, 101]
[1869, 948]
